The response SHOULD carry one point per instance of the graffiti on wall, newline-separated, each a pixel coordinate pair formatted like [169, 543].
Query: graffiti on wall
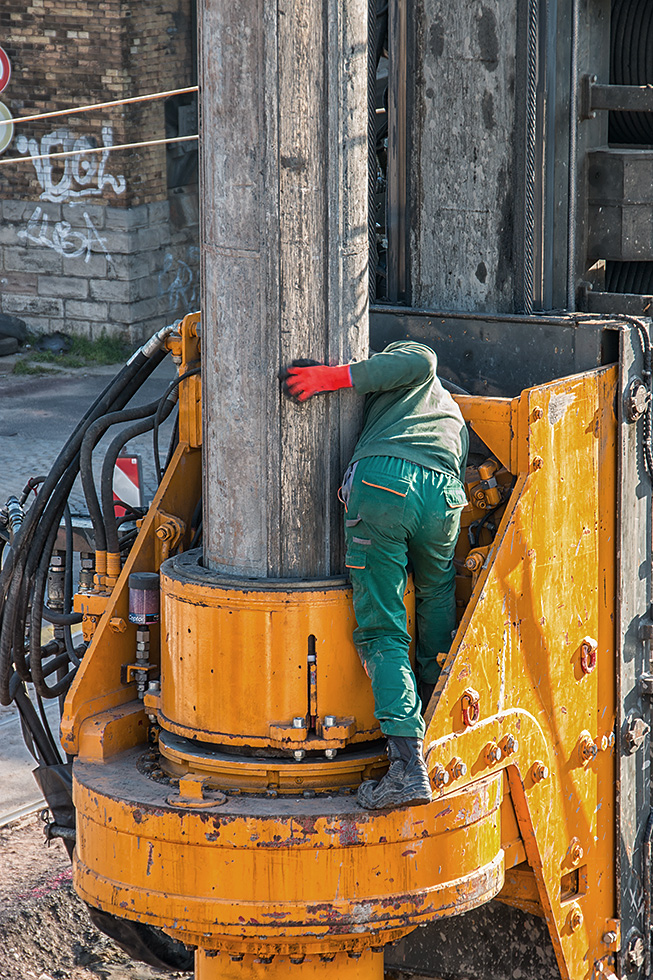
[178, 280]
[65, 181]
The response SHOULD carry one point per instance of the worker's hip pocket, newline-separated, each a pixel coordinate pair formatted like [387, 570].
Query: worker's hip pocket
[381, 496]
[455, 499]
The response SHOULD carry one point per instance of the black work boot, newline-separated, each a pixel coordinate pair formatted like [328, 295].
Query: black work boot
[406, 781]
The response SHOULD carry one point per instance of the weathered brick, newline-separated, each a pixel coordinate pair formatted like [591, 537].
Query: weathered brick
[43, 324]
[65, 287]
[124, 219]
[114, 290]
[74, 213]
[33, 259]
[86, 309]
[19, 282]
[19, 305]
[141, 310]
[94, 267]
[153, 237]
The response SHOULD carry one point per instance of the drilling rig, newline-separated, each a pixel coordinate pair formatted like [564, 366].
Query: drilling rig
[490, 165]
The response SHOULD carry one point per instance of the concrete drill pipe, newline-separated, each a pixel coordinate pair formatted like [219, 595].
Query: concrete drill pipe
[284, 270]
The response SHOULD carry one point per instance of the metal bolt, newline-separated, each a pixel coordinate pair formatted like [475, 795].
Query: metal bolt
[609, 938]
[575, 919]
[353, 955]
[299, 754]
[576, 851]
[611, 739]
[636, 732]
[154, 687]
[457, 768]
[637, 398]
[439, 777]
[330, 753]
[474, 562]
[298, 959]
[237, 957]
[298, 722]
[264, 959]
[492, 753]
[537, 414]
[604, 742]
[635, 953]
[587, 748]
[329, 721]
[510, 745]
[538, 462]
[539, 772]
[588, 648]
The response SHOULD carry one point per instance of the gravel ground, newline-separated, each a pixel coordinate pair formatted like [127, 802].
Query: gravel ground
[45, 931]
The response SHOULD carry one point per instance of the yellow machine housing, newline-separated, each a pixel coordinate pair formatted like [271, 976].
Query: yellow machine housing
[223, 821]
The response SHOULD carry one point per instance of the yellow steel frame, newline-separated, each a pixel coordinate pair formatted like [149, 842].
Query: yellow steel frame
[519, 741]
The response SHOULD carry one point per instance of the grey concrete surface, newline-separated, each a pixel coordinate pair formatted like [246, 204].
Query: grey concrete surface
[37, 414]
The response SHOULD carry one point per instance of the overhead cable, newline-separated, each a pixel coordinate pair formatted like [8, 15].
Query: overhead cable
[98, 149]
[99, 105]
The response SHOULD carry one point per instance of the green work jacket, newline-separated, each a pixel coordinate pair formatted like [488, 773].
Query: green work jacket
[408, 414]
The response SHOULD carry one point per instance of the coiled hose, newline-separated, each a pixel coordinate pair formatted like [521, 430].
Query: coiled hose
[23, 577]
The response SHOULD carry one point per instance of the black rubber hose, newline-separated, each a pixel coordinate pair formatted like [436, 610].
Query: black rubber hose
[158, 418]
[46, 754]
[36, 650]
[68, 588]
[106, 482]
[93, 435]
[31, 537]
[136, 370]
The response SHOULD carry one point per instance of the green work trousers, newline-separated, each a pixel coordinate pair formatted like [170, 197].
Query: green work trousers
[398, 511]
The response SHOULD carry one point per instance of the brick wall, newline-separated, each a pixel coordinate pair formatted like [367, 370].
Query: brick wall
[95, 242]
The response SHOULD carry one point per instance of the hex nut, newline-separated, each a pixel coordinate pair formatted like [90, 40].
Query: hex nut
[575, 918]
[330, 753]
[587, 748]
[457, 768]
[509, 745]
[329, 721]
[539, 772]
[492, 753]
[576, 851]
[299, 754]
[439, 776]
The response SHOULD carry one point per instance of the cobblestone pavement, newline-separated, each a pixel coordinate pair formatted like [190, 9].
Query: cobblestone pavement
[37, 414]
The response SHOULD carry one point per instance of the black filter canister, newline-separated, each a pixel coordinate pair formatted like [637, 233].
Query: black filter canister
[144, 597]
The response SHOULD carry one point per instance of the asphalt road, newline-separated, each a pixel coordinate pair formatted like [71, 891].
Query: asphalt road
[37, 414]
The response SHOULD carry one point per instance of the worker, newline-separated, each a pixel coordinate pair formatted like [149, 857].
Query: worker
[403, 494]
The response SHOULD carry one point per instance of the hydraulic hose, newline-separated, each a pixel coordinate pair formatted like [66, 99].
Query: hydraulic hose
[23, 572]
[106, 482]
[93, 435]
[158, 418]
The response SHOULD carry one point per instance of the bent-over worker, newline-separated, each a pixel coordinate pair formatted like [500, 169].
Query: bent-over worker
[403, 494]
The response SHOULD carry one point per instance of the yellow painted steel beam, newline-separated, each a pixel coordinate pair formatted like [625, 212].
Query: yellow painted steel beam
[545, 594]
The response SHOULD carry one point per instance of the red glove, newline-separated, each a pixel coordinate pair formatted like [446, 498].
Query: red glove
[301, 383]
